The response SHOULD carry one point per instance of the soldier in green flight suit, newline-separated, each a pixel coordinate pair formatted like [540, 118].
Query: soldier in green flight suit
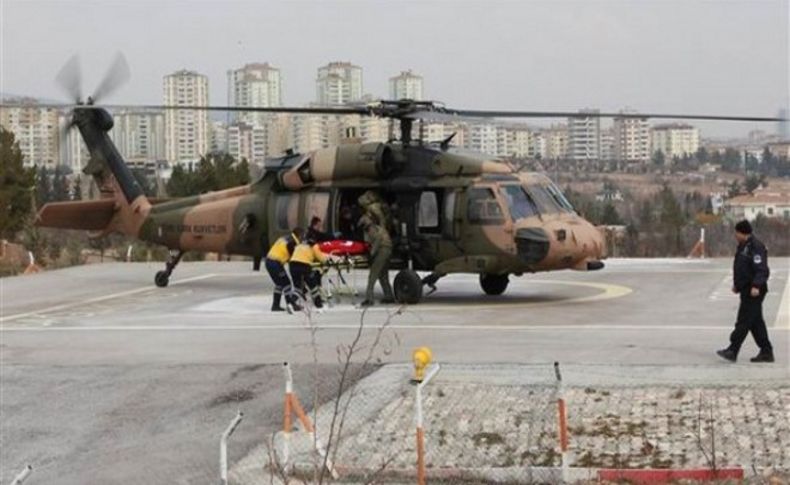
[376, 208]
[380, 252]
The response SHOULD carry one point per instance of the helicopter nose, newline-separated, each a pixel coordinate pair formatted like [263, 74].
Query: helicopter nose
[532, 244]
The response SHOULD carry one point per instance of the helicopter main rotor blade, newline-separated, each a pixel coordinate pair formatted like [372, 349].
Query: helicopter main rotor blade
[69, 79]
[423, 111]
[117, 75]
[282, 109]
[577, 114]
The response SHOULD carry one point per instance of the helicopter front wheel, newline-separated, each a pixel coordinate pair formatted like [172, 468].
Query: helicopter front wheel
[494, 284]
[408, 287]
[162, 278]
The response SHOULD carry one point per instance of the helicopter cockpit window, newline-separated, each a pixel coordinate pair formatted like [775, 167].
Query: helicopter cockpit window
[428, 211]
[482, 207]
[546, 203]
[560, 197]
[519, 203]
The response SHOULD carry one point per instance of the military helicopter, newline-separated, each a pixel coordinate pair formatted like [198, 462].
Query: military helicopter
[455, 211]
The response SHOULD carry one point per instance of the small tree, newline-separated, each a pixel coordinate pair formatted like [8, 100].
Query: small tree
[659, 160]
[60, 185]
[181, 183]
[753, 182]
[16, 184]
[43, 187]
[610, 216]
[76, 189]
[734, 188]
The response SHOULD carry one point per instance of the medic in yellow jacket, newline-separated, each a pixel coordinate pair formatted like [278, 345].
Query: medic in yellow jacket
[305, 279]
[308, 254]
[279, 254]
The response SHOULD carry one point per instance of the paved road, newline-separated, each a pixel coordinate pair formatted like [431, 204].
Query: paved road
[107, 379]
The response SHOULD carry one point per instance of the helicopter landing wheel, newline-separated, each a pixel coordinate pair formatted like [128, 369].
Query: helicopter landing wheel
[162, 278]
[494, 284]
[408, 287]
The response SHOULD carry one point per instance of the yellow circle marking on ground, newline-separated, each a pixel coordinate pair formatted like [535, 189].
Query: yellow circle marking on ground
[609, 291]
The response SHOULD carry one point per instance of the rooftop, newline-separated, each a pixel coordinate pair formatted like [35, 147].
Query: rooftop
[761, 197]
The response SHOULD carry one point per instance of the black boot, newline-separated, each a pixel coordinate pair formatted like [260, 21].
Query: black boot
[727, 354]
[292, 305]
[276, 303]
[764, 356]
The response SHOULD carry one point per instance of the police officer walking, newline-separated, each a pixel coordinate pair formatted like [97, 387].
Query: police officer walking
[380, 252]
[750, 281]
[279, 254]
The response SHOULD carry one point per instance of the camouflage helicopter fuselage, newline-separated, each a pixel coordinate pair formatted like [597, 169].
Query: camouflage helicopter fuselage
[454, 211]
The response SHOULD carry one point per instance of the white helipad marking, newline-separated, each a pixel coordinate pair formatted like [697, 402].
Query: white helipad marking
[723, 290]
[254, 305]
[349, 326]
[783, 314]
[98, 299]
[609, 291]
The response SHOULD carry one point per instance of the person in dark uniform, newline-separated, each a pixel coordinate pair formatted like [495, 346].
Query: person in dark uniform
[315, 233]
[278, 256]
[750, 281]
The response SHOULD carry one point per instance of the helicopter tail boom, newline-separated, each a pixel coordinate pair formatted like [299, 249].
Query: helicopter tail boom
[122, 207]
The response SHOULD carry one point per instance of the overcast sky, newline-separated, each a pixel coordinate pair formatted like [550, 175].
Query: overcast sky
[717, 57]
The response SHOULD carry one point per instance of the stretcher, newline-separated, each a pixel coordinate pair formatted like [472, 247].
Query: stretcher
[346, 256]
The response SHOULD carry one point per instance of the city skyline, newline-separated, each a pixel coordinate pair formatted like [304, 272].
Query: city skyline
[657, 56]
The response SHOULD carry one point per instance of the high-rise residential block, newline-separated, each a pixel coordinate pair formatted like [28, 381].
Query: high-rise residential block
[36, 130]
[186, 131]
[406, 85]
[256, 85]
[631, 138]
[674, 140]
[139, 135]
[338, 83]
[584, 137]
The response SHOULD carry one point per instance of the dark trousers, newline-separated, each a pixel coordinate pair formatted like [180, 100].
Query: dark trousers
[306, 280]
[379, 271]
[282, 284]
[750, 319]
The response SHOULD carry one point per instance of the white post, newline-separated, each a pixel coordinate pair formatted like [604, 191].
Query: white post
[702, 242]
[223, 449]
[23, 475]
[129, 254]
[289, 389]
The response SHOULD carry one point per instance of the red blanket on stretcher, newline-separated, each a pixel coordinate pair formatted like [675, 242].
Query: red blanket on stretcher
[343, 247]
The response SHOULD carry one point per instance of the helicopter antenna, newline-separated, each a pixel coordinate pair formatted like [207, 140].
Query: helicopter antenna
[445, 144]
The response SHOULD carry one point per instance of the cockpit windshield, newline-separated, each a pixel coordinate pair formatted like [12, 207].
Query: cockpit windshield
[519, 203]
[560, 197]
[548, 198]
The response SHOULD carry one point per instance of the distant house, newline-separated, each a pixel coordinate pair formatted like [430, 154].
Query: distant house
[763, 202]
[780, 149]
[609, 196]
[717, 202]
